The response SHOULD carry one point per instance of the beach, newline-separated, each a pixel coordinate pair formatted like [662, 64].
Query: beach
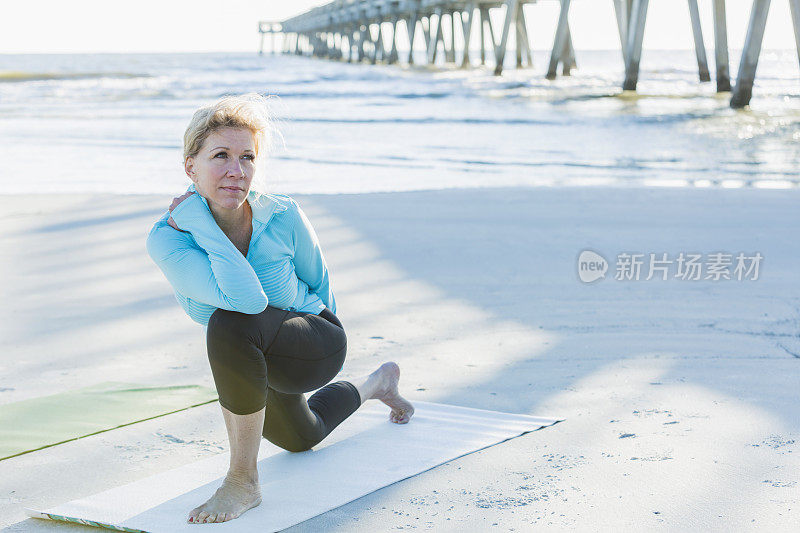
[677, 396]
[452, 207]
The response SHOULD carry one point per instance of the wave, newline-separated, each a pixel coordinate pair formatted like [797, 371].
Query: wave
[426, 120]
[17, 76]
[324, 95]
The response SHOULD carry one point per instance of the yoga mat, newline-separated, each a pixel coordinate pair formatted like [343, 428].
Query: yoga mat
[37, 423]
[363, 454]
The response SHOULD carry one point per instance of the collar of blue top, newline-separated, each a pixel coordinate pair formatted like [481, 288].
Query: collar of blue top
[262, 204]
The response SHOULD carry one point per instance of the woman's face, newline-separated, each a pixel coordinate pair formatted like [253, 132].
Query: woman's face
[223, 169]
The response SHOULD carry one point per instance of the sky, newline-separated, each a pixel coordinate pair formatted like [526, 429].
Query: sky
[96, 26]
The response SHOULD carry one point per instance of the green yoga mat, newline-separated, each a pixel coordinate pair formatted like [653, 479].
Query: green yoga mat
[37, 423]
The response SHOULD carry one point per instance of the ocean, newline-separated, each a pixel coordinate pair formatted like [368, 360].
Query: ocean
[115, 122]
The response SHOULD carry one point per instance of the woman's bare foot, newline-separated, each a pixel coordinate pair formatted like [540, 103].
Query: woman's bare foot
[388, 375]
[232, 499]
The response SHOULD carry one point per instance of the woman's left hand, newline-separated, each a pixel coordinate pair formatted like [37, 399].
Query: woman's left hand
[175, 201]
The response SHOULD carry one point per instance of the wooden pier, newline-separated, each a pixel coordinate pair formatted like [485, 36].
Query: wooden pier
[359, 30]
[367, 30]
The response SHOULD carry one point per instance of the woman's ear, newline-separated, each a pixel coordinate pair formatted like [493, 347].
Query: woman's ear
[188, 167]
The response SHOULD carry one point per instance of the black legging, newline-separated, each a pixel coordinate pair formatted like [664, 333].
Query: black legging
[299, 352]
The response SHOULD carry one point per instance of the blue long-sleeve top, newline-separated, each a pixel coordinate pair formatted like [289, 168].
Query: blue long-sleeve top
[284, 266]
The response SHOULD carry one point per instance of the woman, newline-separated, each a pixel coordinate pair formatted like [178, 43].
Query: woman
[248, 266]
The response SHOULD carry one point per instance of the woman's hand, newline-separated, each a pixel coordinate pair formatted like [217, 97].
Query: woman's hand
[175, 201]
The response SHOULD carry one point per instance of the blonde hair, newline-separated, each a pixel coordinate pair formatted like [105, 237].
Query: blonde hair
[249, 111]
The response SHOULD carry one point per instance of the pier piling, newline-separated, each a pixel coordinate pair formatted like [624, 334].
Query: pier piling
[752, 48]
[721, 47]
[323, 30]
[699, 45]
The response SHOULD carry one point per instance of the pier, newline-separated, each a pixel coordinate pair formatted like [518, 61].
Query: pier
[271, 27]
[367, 30]
[752, 48]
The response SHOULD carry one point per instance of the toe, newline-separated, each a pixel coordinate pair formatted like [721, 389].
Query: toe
[202, 517]
[211, 518]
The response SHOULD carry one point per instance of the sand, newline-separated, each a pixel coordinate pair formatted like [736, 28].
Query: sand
[679, 397]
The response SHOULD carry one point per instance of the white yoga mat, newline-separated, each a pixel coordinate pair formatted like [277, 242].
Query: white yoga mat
[363, 454]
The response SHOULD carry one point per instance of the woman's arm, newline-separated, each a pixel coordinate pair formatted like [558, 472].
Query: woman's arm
[309, 263]
[218, 274]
